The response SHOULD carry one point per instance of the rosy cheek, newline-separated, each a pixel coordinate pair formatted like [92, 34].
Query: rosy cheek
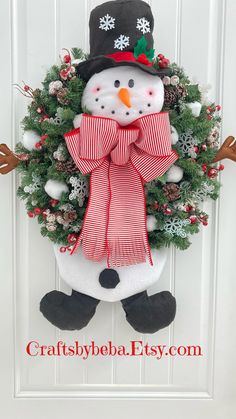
[96, 89]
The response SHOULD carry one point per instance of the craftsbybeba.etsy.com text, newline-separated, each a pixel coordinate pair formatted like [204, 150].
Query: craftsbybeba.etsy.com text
[136, 348]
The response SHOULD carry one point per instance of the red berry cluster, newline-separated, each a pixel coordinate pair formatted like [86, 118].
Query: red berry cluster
[202, 218]
[166, 210]
[211, 110]
[163, 62]
[211, 171]
[69, 71]
[38, 211]
[40, 143]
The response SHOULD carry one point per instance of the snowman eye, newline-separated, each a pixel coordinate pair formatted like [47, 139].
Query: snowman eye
[117, 83]
[131, 83]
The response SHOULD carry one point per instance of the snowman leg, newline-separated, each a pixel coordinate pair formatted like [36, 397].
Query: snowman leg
[68, 312]
[148, 314]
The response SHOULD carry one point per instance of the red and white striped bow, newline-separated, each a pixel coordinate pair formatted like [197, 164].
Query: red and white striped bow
[120, 160]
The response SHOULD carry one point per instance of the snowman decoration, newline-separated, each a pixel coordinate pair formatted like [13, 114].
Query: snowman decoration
[123, 141]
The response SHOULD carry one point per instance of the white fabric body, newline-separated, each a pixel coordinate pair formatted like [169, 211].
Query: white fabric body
[101, 98]
[83, 275]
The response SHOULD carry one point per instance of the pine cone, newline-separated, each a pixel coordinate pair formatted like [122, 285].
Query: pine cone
[70, 216]
[182, 91]
[62, 96]
[171, 96]
[171, 191]
[69, 166]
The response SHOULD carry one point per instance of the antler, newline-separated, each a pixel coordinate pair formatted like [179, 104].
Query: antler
[8, 160]
[227, 150]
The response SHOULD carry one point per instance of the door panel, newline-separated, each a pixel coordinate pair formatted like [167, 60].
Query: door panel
[200, 36]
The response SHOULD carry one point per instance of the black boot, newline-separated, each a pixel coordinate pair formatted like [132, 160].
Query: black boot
[150, 314]
[68, 312]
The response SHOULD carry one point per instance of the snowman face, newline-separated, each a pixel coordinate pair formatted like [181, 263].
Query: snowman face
[123, 94]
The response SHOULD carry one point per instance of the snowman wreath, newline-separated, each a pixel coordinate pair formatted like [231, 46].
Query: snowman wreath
[119, 151]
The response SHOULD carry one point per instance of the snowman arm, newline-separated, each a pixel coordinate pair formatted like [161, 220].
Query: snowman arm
[8, 160]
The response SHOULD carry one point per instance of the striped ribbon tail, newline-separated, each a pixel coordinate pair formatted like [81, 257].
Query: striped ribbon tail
[120, 160]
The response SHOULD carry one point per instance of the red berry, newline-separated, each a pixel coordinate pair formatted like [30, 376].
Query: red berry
[161, 56]
[204, 167]
[43, 138]
[193, 219]
[188, 208]
[39, 109]
[209, 117]
[53, 202]
[30, 214]
[205, 222]
[204, 147]
[212, 173]
[164, 63]
[221, 167]
[67, 59]
[72, 238]
[168, 211]
[38, 145]
[26, 88]
[202, 216]
[196, 149]
[156, 205]
[218, 108]
[37, 211]
[63, 249]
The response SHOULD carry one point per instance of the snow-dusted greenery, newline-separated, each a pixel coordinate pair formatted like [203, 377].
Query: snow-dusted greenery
[176, 219]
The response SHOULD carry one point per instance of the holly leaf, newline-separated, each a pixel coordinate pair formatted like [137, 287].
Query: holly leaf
[141, 48]
[150, 54]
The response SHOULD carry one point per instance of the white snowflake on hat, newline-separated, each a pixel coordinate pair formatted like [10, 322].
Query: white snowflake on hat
[107, 23]
[143, 25]
[122, 42]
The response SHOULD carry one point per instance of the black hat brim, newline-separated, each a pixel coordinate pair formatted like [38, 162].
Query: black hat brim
[94, 65]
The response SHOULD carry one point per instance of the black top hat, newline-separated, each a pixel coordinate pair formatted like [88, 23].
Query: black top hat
[120, 34]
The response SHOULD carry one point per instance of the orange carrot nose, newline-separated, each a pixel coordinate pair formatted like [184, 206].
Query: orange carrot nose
[124, 96]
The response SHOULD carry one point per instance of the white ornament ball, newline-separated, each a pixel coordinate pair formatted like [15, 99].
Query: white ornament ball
[151, 223]
[54, 86]
[174, 80]
[166, 81]
[174, 174]
[55, 188]
[77, 120]
[174, 135]
[29, 139]
[195, 107]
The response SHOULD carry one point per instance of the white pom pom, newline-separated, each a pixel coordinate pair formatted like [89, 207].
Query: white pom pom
[54, 188]
[29, 139]
[174, 174]
[174, 135]
[151, 223]
[77, 120]
[195, 107]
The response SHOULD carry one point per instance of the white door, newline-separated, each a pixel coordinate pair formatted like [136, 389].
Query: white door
[201, 36]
